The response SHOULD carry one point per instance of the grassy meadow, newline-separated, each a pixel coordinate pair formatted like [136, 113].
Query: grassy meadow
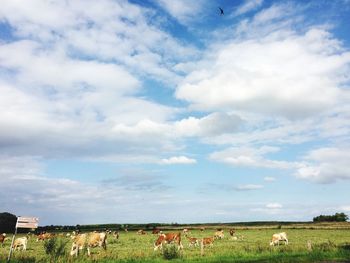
[329, 242]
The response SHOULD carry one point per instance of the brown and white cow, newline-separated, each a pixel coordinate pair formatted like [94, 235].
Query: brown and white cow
[44, 236]
[2, 238]
[276, 238]
[232, 232]
[90, 240]
[167, 239]
[207, 241]
[20, 242]
[141, 232]
[192, 241]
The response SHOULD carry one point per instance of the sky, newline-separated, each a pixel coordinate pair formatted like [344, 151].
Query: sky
[117, 111]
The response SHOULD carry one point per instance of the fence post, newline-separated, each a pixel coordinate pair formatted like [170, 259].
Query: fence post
[202, 247]
[13, 239]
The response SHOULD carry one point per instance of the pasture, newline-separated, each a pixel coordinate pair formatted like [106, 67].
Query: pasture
[252, 245]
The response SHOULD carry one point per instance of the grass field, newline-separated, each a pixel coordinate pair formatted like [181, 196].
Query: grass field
[328, 243]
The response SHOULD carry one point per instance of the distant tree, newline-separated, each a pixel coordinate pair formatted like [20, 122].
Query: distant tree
[7, 222]
[338, 217]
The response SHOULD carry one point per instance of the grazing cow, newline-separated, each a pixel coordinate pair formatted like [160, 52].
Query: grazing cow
[202, 229]
[43, 236]
[20, 242]
[2, 238]
[156, 231]
[116, 234]
[232, 232]
[141, 232]
[91, 240]
[207, 241]
[193, 241]
[167, 239]
[219, 234]
[276, 238]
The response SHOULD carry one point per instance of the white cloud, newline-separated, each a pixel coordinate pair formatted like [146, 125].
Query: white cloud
[248, 187]
[267, 74]
[251, 157]
[96, 31]
[213, 124]
[178, 160]
[248, 5]
[269, 179]
[326, 165]
[184, 11]
[65, 85]
[274, 206]
[345, 208]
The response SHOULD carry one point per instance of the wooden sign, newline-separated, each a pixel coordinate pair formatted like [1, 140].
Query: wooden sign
[23, 222]
[27, 222]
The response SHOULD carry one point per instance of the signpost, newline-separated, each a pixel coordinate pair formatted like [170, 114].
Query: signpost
[23, 222]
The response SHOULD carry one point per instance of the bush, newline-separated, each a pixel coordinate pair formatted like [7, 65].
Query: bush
[55, 249]
[170, 252]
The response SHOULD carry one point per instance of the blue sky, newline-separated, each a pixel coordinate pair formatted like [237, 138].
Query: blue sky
[166, 111]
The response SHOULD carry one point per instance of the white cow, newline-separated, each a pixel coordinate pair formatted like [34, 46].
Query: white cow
[20, 242]
[276, 238]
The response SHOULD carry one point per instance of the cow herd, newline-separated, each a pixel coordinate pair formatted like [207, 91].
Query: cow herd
[81, 241]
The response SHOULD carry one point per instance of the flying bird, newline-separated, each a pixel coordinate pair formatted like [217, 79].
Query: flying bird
[221, 11]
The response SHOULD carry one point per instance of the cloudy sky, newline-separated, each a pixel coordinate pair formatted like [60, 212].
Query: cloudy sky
[117, 111]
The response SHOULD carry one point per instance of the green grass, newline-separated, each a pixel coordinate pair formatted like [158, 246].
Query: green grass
[327, 245]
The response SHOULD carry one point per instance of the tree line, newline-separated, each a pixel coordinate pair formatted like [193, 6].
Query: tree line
[337, 217]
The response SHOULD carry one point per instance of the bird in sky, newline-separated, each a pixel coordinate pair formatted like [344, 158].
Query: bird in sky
[221, 11]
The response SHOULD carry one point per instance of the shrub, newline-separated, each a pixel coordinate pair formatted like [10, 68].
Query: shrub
[170, 252]
[55, 249]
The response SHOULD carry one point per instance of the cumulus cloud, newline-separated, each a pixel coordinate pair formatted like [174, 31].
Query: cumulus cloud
[326, 165]
[251, 157]
[66, 85]
[268, 76]
[179, 160]
[214, 124]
